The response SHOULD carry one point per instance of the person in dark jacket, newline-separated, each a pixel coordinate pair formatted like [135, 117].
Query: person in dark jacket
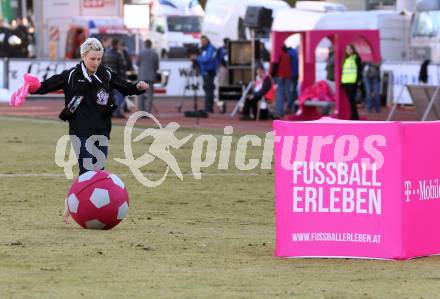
[88, 90]
[294, 63]
[423, 73]
[330, 67]
[113, 59]
[126, 59]
[284, 82]
[351, 76]
[128, 70]
[208, 65]
[263, 89]
[371, 79]
[222, 61]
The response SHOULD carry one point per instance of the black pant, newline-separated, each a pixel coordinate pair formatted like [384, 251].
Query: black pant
[82, 153]
[351, 91]
[208, 87]
[291, 101]
[251, 103]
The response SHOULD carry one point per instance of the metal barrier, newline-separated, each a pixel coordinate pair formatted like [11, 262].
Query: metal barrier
[426, 99]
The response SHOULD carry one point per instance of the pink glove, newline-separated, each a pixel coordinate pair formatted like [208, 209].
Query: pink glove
[31, 84]
[34, 83]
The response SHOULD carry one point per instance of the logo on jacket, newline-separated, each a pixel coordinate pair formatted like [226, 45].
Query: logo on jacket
[102, 97]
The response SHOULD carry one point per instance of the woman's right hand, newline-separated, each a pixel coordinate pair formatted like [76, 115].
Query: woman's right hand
[141, 85]
[33, 81]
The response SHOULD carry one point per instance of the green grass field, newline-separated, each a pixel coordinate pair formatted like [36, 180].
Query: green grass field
[208, 238]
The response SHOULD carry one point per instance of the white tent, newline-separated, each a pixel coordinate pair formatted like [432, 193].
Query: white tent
[300, 20]
[393, 26]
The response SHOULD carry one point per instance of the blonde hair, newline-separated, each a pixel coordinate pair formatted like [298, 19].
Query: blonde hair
[90, 44]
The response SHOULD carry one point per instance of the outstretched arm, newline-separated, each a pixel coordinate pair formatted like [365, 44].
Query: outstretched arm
[125, 87]
[33, 85]
[54, 83]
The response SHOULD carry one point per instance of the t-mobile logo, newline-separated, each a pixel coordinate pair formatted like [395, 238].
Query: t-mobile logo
[407, 190]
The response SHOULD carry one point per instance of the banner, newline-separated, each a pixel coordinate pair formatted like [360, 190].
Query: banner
[43, 69]
[96, 8]
[175, 74]
[408, 73]
[357, 189]
[58, 9]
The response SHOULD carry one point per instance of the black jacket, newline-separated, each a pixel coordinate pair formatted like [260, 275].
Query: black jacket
[93, 115]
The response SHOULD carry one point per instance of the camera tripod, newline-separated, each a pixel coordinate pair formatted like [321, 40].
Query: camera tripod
[192, 83]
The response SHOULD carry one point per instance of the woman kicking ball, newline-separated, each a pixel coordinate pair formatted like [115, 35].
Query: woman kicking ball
[88, 102]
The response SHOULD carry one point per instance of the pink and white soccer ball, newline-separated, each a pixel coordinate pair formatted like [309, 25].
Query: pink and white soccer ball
[98, 200]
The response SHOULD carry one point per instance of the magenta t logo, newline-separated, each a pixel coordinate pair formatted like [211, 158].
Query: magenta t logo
[407, 190]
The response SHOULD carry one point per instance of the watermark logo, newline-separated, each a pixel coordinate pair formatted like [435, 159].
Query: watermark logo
[205, 152]
[343, 159]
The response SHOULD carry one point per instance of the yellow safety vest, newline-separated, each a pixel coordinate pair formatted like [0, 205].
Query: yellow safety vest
[349, 70]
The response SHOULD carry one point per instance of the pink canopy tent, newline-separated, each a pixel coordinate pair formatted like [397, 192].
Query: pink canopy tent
[367, 43]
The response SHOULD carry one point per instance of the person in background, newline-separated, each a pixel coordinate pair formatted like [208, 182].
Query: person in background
[330, 67]
[222, 58]
[22, 32]
[113, 59]
[208, 65]
[423, 73]
[264, 53]
[128, 67]
[80, 37]
[148, 64]
[128, 62]
[293, 53]
[351, 76]
[284, 82]
[264, 88]
[371, 76]
[107, 42]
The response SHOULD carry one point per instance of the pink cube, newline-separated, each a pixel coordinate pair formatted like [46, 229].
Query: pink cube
[357, 189]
